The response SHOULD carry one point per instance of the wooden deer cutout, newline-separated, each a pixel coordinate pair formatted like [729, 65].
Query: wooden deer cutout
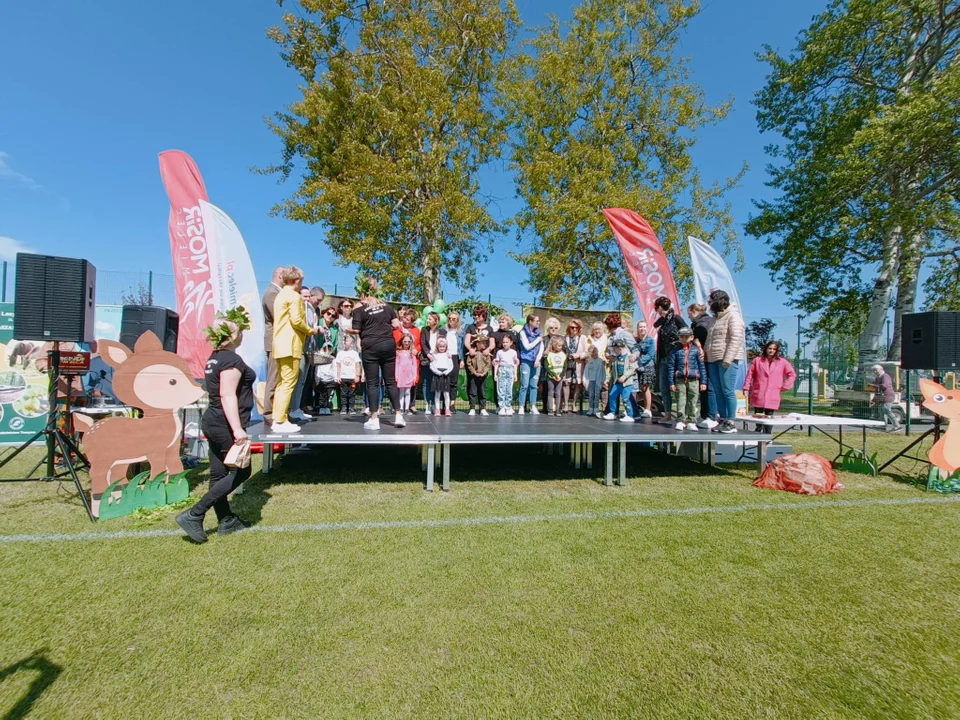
[945, 454]
[158, 383]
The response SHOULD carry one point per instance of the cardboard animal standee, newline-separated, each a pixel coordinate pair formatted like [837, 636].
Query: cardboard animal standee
[157, 382]
[945, 454]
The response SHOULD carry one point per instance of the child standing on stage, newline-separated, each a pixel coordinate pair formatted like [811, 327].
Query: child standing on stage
[406, 371]
[623, 372]
[595, 379]
[556, 362]
[326, 379]
[349, 373]
[688, 377]
[505, 367]
[442, 382]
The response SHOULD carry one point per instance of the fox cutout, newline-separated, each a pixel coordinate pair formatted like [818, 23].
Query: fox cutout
[945, 454]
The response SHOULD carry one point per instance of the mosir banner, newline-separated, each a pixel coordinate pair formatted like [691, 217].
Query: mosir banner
[191, 256]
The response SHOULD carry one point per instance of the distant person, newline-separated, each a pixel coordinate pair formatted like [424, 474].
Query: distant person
[305, 388]
[667, 327]
[374, 322]
[442, 376]
[269, 296]
[479, 345]
[345, 320]
[230, 386]
[575, 346]
[646, 368]
[555, 363]
[700, 322]
[349, 373]
[551, 329]
[623, 373]
[723, 351]
[455, 334]
[601, 341]
[688, 376]
[290, 330]
[884, 395]
[594, 380]
[430, 335]
[506, 365]
[407, 371]
[769, 375]
[531, 350]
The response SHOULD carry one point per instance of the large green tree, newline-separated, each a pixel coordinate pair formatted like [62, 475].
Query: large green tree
[868, 106]
[395, 119]
[603, 114]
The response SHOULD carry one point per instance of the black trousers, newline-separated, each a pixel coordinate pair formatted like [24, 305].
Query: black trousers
[324, 392]
[379, 359]
[348, 391]
[477, 391]
[223, 480]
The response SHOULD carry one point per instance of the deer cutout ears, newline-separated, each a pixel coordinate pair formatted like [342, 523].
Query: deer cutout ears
[115, 354]
[931, 389]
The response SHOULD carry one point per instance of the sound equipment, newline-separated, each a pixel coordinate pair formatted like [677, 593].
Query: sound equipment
[137, 319]
[54, 299]
[930, 341]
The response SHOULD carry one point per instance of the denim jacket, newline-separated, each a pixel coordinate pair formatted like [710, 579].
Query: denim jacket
[648, 352]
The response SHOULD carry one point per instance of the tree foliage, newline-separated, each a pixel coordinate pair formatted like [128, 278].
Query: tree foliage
[395, 120]
[759, 333]
[604, 115]
[867, 105]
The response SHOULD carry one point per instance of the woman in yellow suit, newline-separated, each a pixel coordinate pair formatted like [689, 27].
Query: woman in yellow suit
[290, 328]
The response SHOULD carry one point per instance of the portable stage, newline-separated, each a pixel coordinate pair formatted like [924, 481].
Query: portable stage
[437, 436]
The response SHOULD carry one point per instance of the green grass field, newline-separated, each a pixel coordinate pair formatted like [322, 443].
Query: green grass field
[753, 604]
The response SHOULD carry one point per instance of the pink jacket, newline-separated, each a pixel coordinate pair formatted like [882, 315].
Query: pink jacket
[766, 380]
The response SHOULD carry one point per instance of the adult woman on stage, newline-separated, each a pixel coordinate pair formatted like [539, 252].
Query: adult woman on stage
[723, 350]
[230, 385]
[374, 322]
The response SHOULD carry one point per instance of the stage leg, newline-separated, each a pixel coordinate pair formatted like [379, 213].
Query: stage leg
[622, 468]
[431, 452]
[445, 479]
[549, 448]
[267, 458]
[577, 452]
[589, 451]
[437, 456]
[762, 455]
[608, 470]
[423, 457]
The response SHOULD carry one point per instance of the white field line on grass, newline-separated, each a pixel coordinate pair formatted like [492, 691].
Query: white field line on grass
[489, 520]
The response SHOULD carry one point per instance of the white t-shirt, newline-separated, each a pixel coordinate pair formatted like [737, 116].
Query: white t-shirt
[507, 357]
[347, 363]
[345, 324]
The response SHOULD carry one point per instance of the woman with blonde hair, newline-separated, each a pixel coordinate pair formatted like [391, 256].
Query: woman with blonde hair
[290, 329]
[374, 322]
[575, 347]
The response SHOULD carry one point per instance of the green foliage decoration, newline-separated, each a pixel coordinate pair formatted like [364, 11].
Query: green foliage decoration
[142, 492]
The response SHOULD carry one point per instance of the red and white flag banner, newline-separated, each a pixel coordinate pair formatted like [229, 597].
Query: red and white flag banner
[191, 256]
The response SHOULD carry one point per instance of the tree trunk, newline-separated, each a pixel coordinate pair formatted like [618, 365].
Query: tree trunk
[908, 279]
[871, 342]
[431, 273]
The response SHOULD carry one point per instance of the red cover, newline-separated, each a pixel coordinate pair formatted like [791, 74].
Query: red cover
[191, 257]
[646, 262]
[802, 473]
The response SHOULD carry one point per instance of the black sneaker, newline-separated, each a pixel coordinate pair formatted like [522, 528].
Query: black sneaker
[192, 525]
[727, 427]
[231, 524]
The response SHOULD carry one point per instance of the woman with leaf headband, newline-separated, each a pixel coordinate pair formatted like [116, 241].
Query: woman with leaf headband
[374, 322]
[230, 384]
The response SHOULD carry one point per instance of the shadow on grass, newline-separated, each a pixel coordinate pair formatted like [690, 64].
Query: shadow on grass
[46, 674]
[345, 464]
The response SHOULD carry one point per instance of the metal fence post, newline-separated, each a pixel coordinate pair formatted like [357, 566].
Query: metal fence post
[810, 395]
[3, 287]
[150, 287]
[908, 403]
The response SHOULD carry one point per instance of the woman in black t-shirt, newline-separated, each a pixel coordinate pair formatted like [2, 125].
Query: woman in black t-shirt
[230, 386]
[374, 322]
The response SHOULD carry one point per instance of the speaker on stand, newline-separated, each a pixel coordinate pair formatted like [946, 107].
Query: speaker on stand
[137, 319]
[55, 302]
[928, 341]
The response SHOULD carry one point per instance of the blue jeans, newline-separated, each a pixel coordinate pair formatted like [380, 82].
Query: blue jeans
[425, 379]
[529, 377]
[724, 384]
[663, 375]
[618, 392]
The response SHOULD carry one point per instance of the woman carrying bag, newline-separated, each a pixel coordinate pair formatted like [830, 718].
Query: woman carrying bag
[230, 386]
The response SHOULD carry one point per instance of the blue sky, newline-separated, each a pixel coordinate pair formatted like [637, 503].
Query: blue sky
[91, 92]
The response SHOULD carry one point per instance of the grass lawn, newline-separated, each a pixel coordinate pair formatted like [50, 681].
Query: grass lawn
[807, 609]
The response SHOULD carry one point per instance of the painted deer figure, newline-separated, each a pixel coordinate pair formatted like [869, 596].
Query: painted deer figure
[157, 382]
[945, 454]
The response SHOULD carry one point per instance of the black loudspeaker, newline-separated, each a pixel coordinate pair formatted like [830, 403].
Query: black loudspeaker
[55, 299]
[137, 319]
[930, 341]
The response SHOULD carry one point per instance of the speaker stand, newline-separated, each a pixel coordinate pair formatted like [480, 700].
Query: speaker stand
[936, 432]
[56, 440]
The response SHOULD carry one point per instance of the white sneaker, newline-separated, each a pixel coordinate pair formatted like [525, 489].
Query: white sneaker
[484, 413]
[626, 418]
[707, 424]
[398, 421]
[366, 411]
[285, 428]
[437, 413]
[472, 413]
[646, 414]
[372, 424]
[692, 427]
[599, 414]
[510, 411]
[679, 426]
[502, 412]
[520, 411]
[534, 411]
[609, 416]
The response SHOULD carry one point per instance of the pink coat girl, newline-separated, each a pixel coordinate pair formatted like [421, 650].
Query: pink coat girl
[768, 376]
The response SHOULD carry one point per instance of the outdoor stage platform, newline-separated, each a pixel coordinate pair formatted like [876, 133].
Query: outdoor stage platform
[438, 435]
